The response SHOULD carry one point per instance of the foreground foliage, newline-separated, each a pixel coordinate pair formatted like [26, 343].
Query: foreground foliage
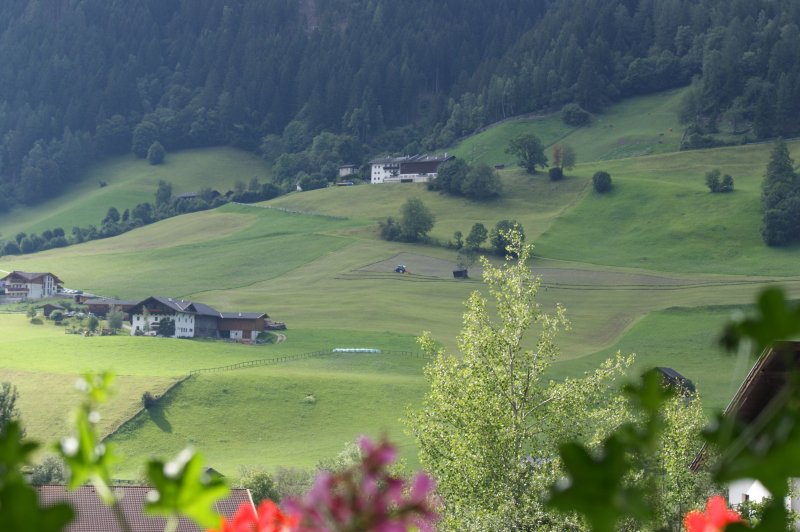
[766, 450]
[492, 425]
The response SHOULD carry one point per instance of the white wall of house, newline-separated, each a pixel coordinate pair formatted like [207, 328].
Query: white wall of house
[35, 291]
[379, 172]
[49, 286]
[17, 290]
[184, 323]
[46, 288]
[746, 490]
[752, 490]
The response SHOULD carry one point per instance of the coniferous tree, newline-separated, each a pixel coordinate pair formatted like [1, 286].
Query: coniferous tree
[781, 199]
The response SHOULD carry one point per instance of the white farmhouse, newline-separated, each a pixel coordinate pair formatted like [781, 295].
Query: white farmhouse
[195, 320]
[147, 315]
[27, 285]
[406, 169]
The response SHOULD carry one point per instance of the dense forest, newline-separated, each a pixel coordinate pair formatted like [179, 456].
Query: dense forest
[84, 79]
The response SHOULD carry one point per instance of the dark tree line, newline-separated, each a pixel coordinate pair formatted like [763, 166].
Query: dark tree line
[744, 57]
[85, 79]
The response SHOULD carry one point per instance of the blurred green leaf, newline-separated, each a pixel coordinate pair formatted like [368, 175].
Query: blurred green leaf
[182, 487]
[19, 504]
[596, 485]
[775, 319]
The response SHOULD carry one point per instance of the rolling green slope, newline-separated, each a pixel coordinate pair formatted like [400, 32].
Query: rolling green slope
[660, 215]
[290, 414]
[638, 126]
[131, 181]
[631, 267]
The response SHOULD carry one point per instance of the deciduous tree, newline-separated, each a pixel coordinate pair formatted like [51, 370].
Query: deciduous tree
[115, 318]
[500, 235]
[481, 183]
[568, 157]
[156, 153]
[477, 236]
[163, 193]
[8, 405]
[529, 151]
[143, 137]
[489, 427]
[601, 181]
[416, 220]
[260, 483]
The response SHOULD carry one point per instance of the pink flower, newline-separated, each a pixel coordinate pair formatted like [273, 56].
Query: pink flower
[368, 497]
[268, 518]
[716, 517]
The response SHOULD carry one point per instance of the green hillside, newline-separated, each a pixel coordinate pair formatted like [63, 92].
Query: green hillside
[639, 126]
[636, 270]
[291, 414]
[660, 215]
[132, 181]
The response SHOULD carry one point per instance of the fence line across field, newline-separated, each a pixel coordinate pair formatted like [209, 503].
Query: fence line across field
[301, 356]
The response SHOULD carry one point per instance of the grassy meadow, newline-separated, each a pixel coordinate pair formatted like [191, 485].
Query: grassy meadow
[655, 267]
[643, 125]
[131, 181]
[289, 414]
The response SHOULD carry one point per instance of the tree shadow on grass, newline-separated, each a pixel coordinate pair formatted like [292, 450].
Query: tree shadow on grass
[158, 416]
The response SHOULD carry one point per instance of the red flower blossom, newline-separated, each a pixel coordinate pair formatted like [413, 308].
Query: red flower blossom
[268, 518]
[716, 517]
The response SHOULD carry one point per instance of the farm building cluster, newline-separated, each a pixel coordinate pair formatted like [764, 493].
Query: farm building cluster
[154, 315]
[407, 169]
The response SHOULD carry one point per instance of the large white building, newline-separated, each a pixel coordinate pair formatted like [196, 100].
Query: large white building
[407, 169]
[195, 320]
[30, 285]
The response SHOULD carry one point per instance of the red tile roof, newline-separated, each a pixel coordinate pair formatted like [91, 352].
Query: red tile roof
[91, 515]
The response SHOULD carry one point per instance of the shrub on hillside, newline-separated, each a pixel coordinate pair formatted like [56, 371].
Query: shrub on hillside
[573, 114]
[149, 400]
[556, 173]
[260, 483]
[601, 181]
[50, 471]
[715, 184]
[500, 237]
[390, 229]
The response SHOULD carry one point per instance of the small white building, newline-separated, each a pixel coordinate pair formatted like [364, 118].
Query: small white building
[27, 285]
[407, 169]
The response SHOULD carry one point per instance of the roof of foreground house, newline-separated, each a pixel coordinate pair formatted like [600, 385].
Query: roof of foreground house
[92, 515]
[764, 381]
[30, 276]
